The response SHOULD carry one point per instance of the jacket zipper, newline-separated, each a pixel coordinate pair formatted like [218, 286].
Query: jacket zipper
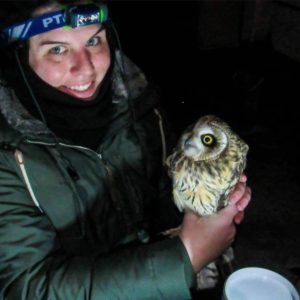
[111, 184]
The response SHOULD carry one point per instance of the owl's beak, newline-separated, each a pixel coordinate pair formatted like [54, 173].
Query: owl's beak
[189, 143]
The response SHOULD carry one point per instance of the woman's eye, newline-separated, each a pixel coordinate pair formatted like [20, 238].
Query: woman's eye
[94, 41]
[57, 50]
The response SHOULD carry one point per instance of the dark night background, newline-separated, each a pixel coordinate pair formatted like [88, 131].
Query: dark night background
[239, 60]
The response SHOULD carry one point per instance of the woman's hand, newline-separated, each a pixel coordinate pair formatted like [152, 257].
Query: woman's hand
[240, 197]
[205, 238]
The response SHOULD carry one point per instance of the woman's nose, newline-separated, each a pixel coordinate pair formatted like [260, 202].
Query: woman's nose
[82, 63]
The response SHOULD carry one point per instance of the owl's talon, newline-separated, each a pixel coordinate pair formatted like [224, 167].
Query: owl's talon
[172, 232]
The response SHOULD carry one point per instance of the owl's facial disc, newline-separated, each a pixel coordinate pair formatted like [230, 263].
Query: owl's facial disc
[205, 143]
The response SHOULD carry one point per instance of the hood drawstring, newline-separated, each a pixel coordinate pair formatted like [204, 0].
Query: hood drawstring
[20, 160]
[30, 89]
[162, 135]
[123, 72]
[28, 85]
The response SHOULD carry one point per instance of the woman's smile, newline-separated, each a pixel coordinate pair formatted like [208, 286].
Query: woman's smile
[83, 91]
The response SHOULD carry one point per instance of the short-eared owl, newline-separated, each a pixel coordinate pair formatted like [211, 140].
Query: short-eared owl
[206, 165]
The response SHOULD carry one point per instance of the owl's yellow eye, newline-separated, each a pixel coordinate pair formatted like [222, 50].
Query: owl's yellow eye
[208, 139]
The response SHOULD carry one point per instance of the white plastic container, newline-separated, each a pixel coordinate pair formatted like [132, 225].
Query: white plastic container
[258, 284]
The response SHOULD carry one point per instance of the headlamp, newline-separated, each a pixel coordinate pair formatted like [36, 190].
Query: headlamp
[82, 15]
[69, 17]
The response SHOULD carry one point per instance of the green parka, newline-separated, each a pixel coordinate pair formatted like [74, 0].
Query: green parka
[82, 224]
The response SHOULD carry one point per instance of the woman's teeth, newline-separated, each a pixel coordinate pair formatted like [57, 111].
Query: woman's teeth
[80, 88]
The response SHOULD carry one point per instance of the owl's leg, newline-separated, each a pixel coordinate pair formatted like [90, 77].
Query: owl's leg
[172, 232]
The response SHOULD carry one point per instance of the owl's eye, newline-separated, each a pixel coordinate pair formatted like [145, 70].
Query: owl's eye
[208, 139]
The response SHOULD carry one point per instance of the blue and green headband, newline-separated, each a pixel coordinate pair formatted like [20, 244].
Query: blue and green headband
[68, 17]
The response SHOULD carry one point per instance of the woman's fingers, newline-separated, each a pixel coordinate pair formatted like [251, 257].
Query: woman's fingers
[244, 200]
[239, 217]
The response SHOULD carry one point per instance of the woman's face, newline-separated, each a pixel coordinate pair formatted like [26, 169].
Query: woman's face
[73, 61]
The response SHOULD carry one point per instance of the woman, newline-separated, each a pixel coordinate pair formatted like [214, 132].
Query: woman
[83, 195]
